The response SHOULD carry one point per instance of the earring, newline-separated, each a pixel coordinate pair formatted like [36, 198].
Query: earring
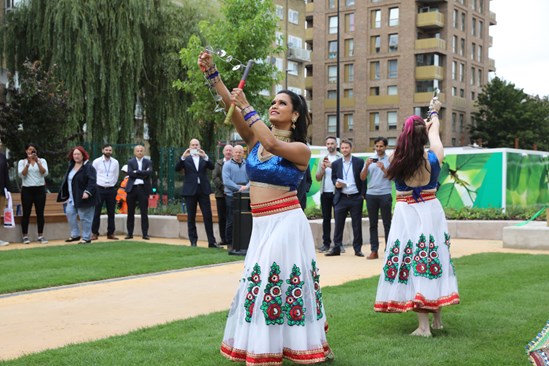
[293, 122]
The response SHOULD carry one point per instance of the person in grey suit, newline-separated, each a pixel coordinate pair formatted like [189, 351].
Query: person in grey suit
[194, 163]
[348, 198]
[138, 189]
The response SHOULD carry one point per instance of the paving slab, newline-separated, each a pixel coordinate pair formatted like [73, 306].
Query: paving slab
[51, 318]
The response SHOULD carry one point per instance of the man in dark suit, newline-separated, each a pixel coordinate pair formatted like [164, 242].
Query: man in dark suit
[194, 163]
[217, 178]
[138, 189]
[348, 198]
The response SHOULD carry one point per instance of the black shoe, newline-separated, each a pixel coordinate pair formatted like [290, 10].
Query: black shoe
[323, 249]
[76, 238]
[332, 253]
[359, 254]
[213, 245]
[193, 243]
[128, 237]
[342, 249]
[146, 237]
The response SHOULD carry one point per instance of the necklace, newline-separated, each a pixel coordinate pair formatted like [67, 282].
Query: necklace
[282, 135]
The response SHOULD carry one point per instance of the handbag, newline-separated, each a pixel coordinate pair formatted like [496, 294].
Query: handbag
[9, 219]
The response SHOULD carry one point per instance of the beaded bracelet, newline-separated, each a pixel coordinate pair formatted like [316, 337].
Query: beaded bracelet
[251, 118]
[210, 71]
[246, 109]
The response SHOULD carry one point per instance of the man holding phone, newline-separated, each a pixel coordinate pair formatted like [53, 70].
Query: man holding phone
[324, 176]
[378, 193]
[194, 163]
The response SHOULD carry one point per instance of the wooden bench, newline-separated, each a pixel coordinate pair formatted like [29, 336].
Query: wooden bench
[53, 211]
[199, 217]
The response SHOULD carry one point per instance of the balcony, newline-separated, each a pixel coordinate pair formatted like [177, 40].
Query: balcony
[309, 34]
[425, 97]
[429, 73]
[430, 44]
[299, 54]
[430, 20]
[309, 8]
[382, 100]
[344, 103]
[493, 20]
[309, 82]
[491, 65]
[490, 41]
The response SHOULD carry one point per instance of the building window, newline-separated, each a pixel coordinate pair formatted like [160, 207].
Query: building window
[332, 21]
[473, 75]
[462, 47]
[454, 91]
[279, 9]
[454, 122]
[376, 19]
[456, 19]
[474, 26]
[348, 93]
[376, 43]
[293, 68]
[392, 69]
[463, 22]
[331, 4]
[348, 122]
[332, 94]
[480, 28]
[462, 93]
[454, 70]
[374, 90]
[393, 17]
[461, 118]
[349, 2]
[454, 44]
[374, 70]
[393, 42]
[392, 120]
[293, 16]
[391, 141]
[454, 141]
[349, 47]
[481, 6]
[473, 51]
[392, 90]
[462, 72]
[332, 123]
[350, 22]
[332, 49]
[279, 39]
[374, 121]
[349, 73]
[295, 42]
[479, 79]
[479, 53]
[332, 74]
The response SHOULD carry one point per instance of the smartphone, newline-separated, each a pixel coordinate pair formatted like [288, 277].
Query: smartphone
[435, 93]
[194, 151]
[375, 160]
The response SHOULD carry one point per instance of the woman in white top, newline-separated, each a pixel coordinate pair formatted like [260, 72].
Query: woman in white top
[32, 171]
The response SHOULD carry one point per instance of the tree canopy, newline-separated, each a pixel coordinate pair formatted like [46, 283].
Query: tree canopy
[506, 112]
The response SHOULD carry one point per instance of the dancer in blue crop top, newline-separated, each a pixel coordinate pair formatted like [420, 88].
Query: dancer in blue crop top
[277, 311]
[418, 273]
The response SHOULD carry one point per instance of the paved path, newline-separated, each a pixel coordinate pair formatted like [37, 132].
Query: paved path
[32, 322]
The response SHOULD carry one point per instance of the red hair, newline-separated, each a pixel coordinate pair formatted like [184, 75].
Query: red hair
[409, 151]
[82, 150]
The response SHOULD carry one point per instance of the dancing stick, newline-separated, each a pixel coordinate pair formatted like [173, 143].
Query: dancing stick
[240, 86]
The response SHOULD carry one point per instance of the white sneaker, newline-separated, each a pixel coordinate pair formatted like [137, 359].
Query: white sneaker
[26, 240]
[4, 243]
[42, 240]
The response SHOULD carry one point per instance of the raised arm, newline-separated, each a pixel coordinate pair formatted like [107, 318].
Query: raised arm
[434, 130]
[206, 64]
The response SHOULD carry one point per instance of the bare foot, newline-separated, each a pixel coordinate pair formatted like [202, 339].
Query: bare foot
[422, 332]
[437, 325]
[437, 320]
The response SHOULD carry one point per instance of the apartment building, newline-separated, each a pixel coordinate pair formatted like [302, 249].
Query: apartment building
[392, 55]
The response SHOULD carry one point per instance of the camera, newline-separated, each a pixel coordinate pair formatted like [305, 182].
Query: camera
[375, 160]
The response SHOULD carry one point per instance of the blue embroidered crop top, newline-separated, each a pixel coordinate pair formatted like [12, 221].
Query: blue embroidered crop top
[435, 171]
[276, 170]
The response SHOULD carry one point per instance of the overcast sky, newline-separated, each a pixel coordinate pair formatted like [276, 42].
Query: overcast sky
[522, 56]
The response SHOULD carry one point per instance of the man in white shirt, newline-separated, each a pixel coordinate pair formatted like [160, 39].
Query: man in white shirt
[324, 176]
[107, 169]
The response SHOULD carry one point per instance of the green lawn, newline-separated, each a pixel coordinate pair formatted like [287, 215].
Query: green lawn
[62, 265]
[505, 303]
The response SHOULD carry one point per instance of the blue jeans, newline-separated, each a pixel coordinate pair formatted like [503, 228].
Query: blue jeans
[86, 217]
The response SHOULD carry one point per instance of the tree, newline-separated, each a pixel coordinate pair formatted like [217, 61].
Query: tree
[506, 113]
[38, 113]
[232, 33]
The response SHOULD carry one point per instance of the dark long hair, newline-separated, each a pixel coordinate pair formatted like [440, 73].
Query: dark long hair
[409, 151]
[304, 120]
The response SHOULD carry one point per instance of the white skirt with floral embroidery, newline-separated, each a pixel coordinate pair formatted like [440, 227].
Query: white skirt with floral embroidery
[277, 311]
[418, 273]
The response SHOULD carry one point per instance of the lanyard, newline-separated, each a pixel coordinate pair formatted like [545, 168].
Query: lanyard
[346, 172]
[109, 168]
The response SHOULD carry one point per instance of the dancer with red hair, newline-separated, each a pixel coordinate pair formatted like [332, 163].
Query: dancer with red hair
[418, 273]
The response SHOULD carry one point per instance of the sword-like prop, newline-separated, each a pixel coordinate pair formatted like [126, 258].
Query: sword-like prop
[241, 85]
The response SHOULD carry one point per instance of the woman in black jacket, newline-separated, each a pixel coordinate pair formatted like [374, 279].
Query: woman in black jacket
[78, 193]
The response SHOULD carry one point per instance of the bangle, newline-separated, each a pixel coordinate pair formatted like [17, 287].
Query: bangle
[433, 113]
[246, 109]
[249, 115]
[253, 117]
[210, 71]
